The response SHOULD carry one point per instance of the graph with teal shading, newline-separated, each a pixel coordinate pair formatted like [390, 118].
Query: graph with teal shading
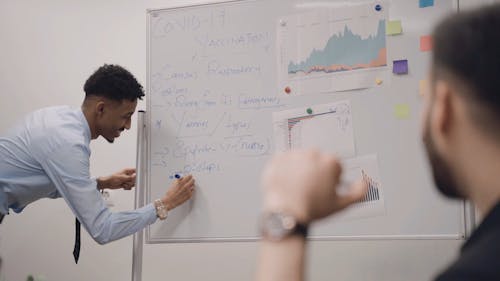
[344, 52]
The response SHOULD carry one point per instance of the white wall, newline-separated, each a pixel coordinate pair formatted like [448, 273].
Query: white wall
[47, 50]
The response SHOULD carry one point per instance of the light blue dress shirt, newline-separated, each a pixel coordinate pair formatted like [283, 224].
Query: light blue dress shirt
[47, 156]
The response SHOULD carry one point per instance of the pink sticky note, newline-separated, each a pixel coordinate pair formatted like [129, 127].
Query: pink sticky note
[425, 43]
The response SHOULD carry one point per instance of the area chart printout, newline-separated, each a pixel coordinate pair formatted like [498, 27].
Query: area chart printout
[336, 49]
[327, 127]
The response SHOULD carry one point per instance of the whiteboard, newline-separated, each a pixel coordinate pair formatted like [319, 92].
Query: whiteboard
[216, 105]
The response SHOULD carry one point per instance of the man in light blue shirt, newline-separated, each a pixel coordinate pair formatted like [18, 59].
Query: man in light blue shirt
[47, 154]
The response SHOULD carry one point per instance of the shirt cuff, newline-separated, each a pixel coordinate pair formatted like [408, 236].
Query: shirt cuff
[151, 211]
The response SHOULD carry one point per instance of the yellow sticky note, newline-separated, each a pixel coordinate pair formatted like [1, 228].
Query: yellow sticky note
[422, 88]
[401, 111]
[393, 27]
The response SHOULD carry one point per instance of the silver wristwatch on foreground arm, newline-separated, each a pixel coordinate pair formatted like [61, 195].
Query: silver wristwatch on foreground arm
[276, 226]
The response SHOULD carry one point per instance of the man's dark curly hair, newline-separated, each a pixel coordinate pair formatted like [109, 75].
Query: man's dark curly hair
[113, 82]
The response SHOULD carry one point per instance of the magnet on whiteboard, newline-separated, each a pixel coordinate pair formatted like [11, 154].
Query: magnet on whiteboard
[378, 7]
[309, 111]
[288, 90]
[378, 81]
[282, 23]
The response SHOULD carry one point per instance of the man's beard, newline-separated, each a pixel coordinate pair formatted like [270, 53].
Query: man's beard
[441, 171]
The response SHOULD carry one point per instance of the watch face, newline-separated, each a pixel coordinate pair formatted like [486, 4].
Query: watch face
[277, 225]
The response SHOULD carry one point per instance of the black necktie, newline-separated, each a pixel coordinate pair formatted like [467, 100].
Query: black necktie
[76, 250]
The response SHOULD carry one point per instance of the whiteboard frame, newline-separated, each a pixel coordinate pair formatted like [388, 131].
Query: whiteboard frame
[466, 217]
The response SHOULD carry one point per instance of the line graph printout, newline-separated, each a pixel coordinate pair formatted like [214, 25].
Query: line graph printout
[335, 49]
[327, 127]
[372, 204]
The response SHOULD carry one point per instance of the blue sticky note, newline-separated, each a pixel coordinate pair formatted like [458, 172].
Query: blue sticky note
[426, 3]
[400, 67]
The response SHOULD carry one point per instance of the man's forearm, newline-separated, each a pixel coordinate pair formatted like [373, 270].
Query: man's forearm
[281, 260]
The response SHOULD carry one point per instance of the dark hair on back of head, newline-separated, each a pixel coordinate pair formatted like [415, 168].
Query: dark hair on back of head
[113, 82]
[467, 48]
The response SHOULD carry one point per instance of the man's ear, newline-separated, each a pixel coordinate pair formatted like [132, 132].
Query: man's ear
[442, 111]
[100, 107]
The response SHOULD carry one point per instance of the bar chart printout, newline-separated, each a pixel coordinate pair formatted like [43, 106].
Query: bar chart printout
[334, 49]
[327, 127]
[372, 204]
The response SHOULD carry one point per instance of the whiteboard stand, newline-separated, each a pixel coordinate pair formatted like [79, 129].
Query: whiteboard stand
[469, 218]
[138, 239]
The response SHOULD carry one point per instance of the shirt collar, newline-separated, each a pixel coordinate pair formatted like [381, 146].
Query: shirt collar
[489, 222]
[85, 123]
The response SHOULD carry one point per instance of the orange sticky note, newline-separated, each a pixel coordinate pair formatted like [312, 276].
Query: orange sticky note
[422, 87]
[425, 43]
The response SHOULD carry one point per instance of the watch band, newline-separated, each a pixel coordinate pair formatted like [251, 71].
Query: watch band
[302, 230]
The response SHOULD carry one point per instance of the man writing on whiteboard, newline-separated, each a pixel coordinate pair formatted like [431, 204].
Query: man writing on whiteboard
[462, 139]
[47, 155]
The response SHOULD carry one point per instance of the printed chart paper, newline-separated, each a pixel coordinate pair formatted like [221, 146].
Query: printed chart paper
[332, 50]
[372, 204]
[327, 127]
